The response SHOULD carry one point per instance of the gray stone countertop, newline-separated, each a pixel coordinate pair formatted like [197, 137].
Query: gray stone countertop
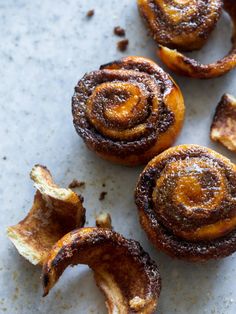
[45, 48]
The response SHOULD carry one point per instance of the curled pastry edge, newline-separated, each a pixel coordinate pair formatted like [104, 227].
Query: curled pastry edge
[103, 250]
[183, 65]
[34, 236]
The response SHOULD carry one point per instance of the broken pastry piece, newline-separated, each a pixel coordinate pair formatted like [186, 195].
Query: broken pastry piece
[127, 276]
[55, 212]
[223, 128]
[103, 220]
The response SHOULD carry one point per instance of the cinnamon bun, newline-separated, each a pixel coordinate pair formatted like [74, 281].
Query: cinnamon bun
[186, 199]
[128, 111]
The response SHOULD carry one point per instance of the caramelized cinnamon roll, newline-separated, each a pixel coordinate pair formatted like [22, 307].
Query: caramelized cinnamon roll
[181, 24]
[186, 25]
[186, 199]
[128, 111]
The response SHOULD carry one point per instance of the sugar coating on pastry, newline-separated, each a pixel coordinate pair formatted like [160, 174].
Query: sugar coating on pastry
[128, 111]
[186, 203]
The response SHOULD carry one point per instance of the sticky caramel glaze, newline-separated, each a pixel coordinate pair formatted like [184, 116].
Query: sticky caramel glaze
[183, 65]
[127, 276]
[186, 199]
[128, 111]
[180, 24]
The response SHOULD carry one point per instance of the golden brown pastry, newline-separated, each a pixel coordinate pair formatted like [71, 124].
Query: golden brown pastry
[186, 199]
[55, 212]
[126, 275]
[223, 128]
[128, 111]
[186, 25]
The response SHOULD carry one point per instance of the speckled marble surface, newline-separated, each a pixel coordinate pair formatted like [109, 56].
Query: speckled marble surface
[46, 46]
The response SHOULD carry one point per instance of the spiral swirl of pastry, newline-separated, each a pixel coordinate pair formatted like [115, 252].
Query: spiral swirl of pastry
[181, 24]
[186, 198]
[128, 111]
[183, 65]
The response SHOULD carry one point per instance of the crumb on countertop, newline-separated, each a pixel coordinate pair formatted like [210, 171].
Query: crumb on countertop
[102, 196]
[119, 31]
[103, 220]
[90, 13]
[76, 184]
[123, 44]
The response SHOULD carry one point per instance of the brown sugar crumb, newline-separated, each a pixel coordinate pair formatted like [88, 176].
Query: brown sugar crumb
[76, 184]
[103, 220]
[119, 31]
[102, 196]
[90, 13]
[122, 44]
[223, 128]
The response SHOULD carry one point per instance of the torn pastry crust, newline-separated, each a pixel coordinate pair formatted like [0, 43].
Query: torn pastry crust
[55, 212]
[183, 65]
[223, 128]
[123, 271]
[186, 199]
[128, 111]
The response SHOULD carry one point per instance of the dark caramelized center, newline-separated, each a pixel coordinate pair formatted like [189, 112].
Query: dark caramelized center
[191, 198]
